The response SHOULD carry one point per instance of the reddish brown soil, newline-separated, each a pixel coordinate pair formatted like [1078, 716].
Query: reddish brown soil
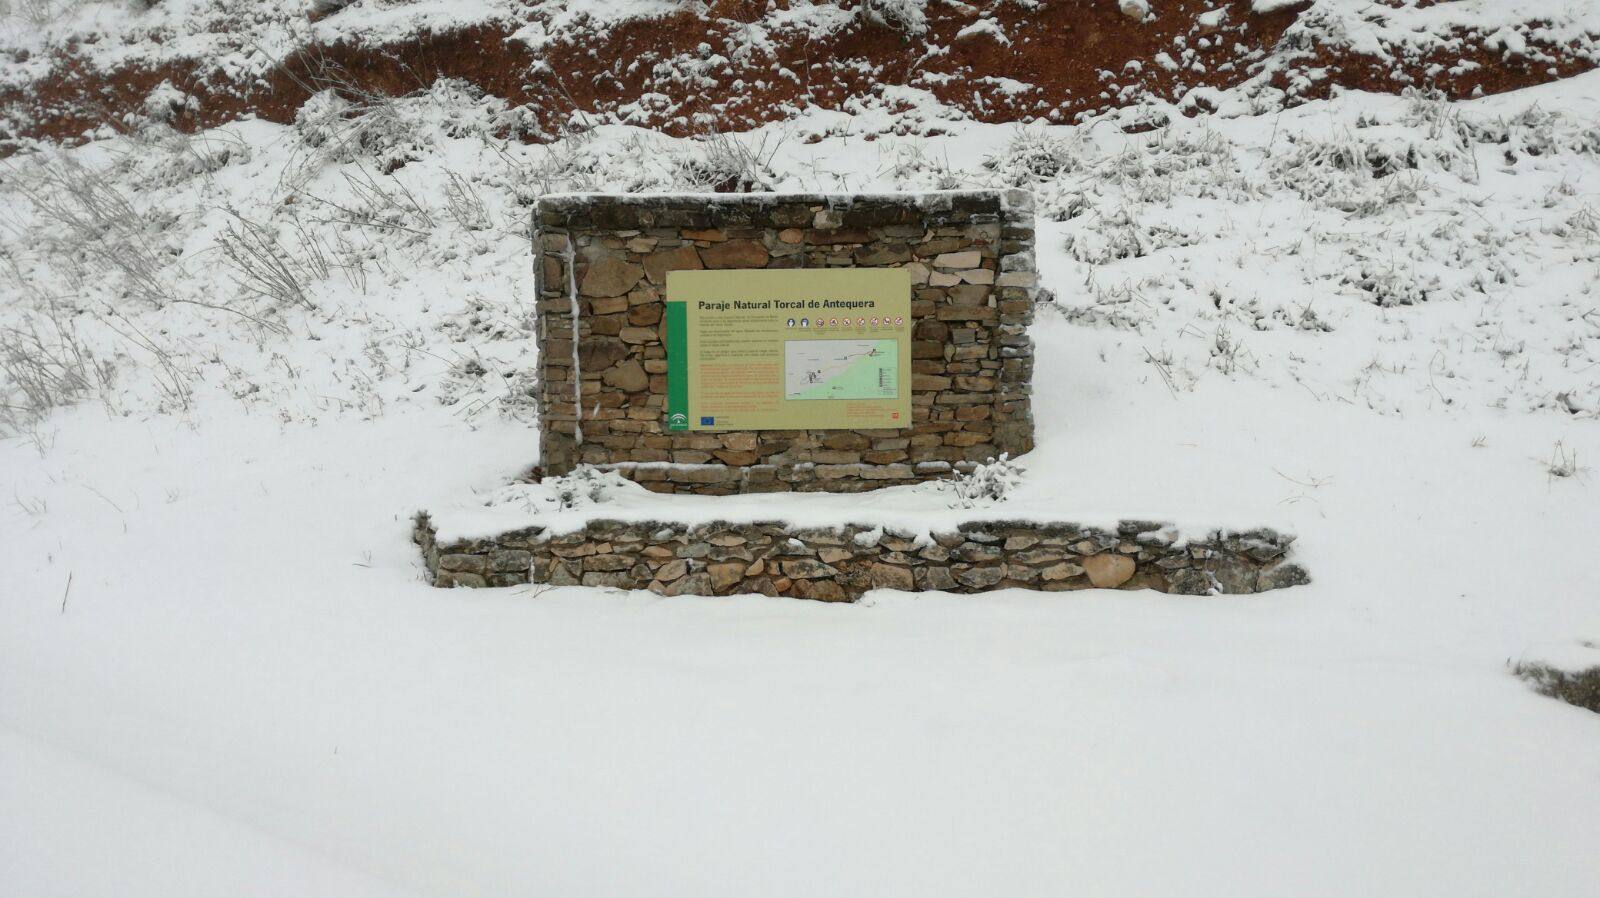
[1072, 52]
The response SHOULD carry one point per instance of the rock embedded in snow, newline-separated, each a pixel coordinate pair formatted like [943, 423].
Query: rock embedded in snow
[1282, 576]
[1138, 10]
[508, 561]
[1062, 571]
[891, 576]
[1235, 576]
[725, 574]
[984, 28]
[1189, 582]
[980, 577]
[806, 569]
[935, 578]
[694, 584]
[1109, 570]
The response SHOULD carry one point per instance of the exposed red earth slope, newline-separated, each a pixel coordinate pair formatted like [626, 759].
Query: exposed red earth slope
[695, 70]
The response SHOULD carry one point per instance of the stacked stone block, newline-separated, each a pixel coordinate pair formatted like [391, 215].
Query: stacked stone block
[841, 564]
[601, 270]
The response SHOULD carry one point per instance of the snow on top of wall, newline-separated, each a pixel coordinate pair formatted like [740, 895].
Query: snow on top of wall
[936, 198]
[1044, 496]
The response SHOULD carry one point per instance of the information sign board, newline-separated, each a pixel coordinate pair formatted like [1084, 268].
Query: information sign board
[789, 349]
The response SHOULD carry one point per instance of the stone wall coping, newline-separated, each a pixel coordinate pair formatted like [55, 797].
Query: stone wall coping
[1169, 534]
[1010, 199]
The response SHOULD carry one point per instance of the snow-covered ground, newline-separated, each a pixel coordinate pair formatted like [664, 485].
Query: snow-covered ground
[1371, 321]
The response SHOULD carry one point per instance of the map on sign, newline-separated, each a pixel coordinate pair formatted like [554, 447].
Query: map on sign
[841, 369]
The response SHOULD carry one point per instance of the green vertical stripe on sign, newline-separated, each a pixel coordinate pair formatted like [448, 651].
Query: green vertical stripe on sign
[677, 366]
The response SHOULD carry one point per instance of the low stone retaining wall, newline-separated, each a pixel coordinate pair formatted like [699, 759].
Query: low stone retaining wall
[841, 564]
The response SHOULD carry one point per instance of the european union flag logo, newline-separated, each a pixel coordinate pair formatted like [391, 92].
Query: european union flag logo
[707, 421]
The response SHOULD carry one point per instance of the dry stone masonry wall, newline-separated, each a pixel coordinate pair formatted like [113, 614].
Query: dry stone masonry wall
[841, 564]
[601, 271]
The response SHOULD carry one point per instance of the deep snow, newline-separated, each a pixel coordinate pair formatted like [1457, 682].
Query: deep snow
[248, 638]
[220, 672]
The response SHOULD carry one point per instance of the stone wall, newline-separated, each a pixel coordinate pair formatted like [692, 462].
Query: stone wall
[840, 564]
[601, 270]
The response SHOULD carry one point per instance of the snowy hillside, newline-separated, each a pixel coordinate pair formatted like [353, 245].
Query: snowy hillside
[686, 67]
[235, 359]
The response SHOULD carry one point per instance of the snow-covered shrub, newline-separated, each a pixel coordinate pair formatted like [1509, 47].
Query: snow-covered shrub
[909, 17]
[1228, 355]
[1118, 307]
[910, 166]
[321, 118]
[567, 164]
[1575, 687]
[321, 8]
[1034, 155]
[1584, 226]
[1357, 173]
[1116, 234]
[375, 128]
[985, 484]
[584, 486]
[44, 364]
[343, 123]
[1205, 152]
[646, 162]
[1392, 282]
[384, 204]
[1107, 237]
[168, 157]
[1563, 463]
[1304, 318]
[724, 163]
[465, 205]
[85, 221]
[37, 13]
[1059, 201]
[263, 267]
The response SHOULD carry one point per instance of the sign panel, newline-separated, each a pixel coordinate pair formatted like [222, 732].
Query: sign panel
[789, 349]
